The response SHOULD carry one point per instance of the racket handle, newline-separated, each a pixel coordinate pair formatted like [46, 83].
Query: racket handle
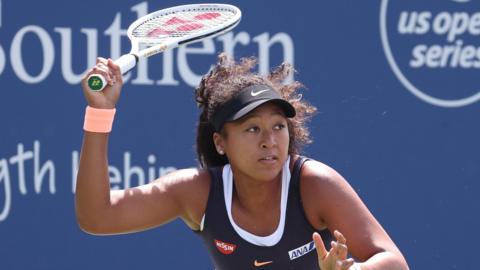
[96, 82]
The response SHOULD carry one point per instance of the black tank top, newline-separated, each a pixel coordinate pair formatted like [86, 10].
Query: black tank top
[229, 251]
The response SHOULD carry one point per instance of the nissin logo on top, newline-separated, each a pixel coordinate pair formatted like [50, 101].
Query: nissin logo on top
[43, 44]
[433, 47]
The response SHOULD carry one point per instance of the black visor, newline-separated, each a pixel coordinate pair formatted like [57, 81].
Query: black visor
[247, 100]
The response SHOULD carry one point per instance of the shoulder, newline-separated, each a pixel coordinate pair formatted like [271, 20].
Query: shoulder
[323, 191]
[186, 183]
[185, 176]
[190, 188]
[330, 201]
[319, 174]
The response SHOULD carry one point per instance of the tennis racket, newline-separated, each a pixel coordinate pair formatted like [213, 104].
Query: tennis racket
[169, 28]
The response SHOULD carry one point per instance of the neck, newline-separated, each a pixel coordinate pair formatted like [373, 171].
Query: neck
[257, 197]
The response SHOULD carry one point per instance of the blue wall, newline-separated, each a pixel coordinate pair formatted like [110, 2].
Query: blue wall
[396, 84]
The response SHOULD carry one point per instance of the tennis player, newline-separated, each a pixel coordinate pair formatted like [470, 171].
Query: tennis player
[255, 202]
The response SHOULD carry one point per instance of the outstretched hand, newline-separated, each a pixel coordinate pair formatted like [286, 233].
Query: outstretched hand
[336, 257]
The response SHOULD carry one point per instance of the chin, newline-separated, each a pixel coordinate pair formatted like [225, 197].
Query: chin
[270, 174]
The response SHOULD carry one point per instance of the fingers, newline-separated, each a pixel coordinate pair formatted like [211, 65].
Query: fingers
[340, 250]
[336, 257]
[102, 60]
[108, 69]
[344, 264]
[108, 97]
[321, 251]
[339, 247]
[340, 238]
[116, 72]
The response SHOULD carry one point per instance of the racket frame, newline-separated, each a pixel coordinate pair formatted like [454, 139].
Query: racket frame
[128, 61]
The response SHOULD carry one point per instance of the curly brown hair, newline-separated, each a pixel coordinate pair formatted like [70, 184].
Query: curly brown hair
[225, 80]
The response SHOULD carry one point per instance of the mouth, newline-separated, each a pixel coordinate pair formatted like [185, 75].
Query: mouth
[269, 158]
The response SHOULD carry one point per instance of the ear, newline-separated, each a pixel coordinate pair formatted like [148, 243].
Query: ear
[219, 143]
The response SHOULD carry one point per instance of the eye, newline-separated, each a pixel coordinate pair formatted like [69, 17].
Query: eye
[253, 129]
[279, 126]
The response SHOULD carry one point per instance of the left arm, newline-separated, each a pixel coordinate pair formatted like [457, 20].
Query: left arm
[329, 200]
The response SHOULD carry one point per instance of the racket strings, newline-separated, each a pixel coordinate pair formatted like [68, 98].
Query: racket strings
[182, 23]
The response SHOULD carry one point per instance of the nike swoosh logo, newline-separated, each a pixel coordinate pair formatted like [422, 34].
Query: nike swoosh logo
[254, 94]
[256, 263]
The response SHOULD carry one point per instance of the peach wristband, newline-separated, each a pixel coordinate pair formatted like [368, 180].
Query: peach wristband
[98, 120]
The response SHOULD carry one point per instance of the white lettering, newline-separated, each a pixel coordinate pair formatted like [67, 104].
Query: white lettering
[74, 170]
[116, 179]
[151, 170]
[2, 60]
[418, 56]
[453, 53]
[264, 44]
[406, 25]
[46, 171]
[474, 26]
[47, 52]
[142, 65]
[433, 56]
[187, 74]
[5, 179]
[414, 22]
[442, 23]
[467, 56]
[230, 41]
[116, 35]
[437, 56]
[459, 25]
[129, 171]
[66, 52]
[300, 251]
[167, 68]
[39, 173]
[19, 160]
[423, 23]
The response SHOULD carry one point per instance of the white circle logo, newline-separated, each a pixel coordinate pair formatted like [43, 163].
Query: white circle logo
[437, 48]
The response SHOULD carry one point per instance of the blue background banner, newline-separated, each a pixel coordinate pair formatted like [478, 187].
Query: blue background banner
[395, 82]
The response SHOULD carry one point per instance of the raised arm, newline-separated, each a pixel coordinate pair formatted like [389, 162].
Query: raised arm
[101, 211]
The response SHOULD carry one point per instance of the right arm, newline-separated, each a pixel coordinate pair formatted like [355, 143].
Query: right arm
[101, 211]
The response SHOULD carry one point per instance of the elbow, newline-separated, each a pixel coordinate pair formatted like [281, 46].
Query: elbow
[399, 261]
[93, 228]
[387, 259]
[90, 224]
[403, 263]
[87, 225]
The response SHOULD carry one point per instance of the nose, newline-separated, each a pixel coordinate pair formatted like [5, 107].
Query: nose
[268, 140]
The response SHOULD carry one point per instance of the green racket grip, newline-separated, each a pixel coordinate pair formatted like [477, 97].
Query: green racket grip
[96, 82]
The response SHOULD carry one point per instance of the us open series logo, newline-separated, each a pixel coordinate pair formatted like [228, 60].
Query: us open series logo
[433, 48]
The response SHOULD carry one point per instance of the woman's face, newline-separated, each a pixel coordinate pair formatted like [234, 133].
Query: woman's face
[257, 144]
